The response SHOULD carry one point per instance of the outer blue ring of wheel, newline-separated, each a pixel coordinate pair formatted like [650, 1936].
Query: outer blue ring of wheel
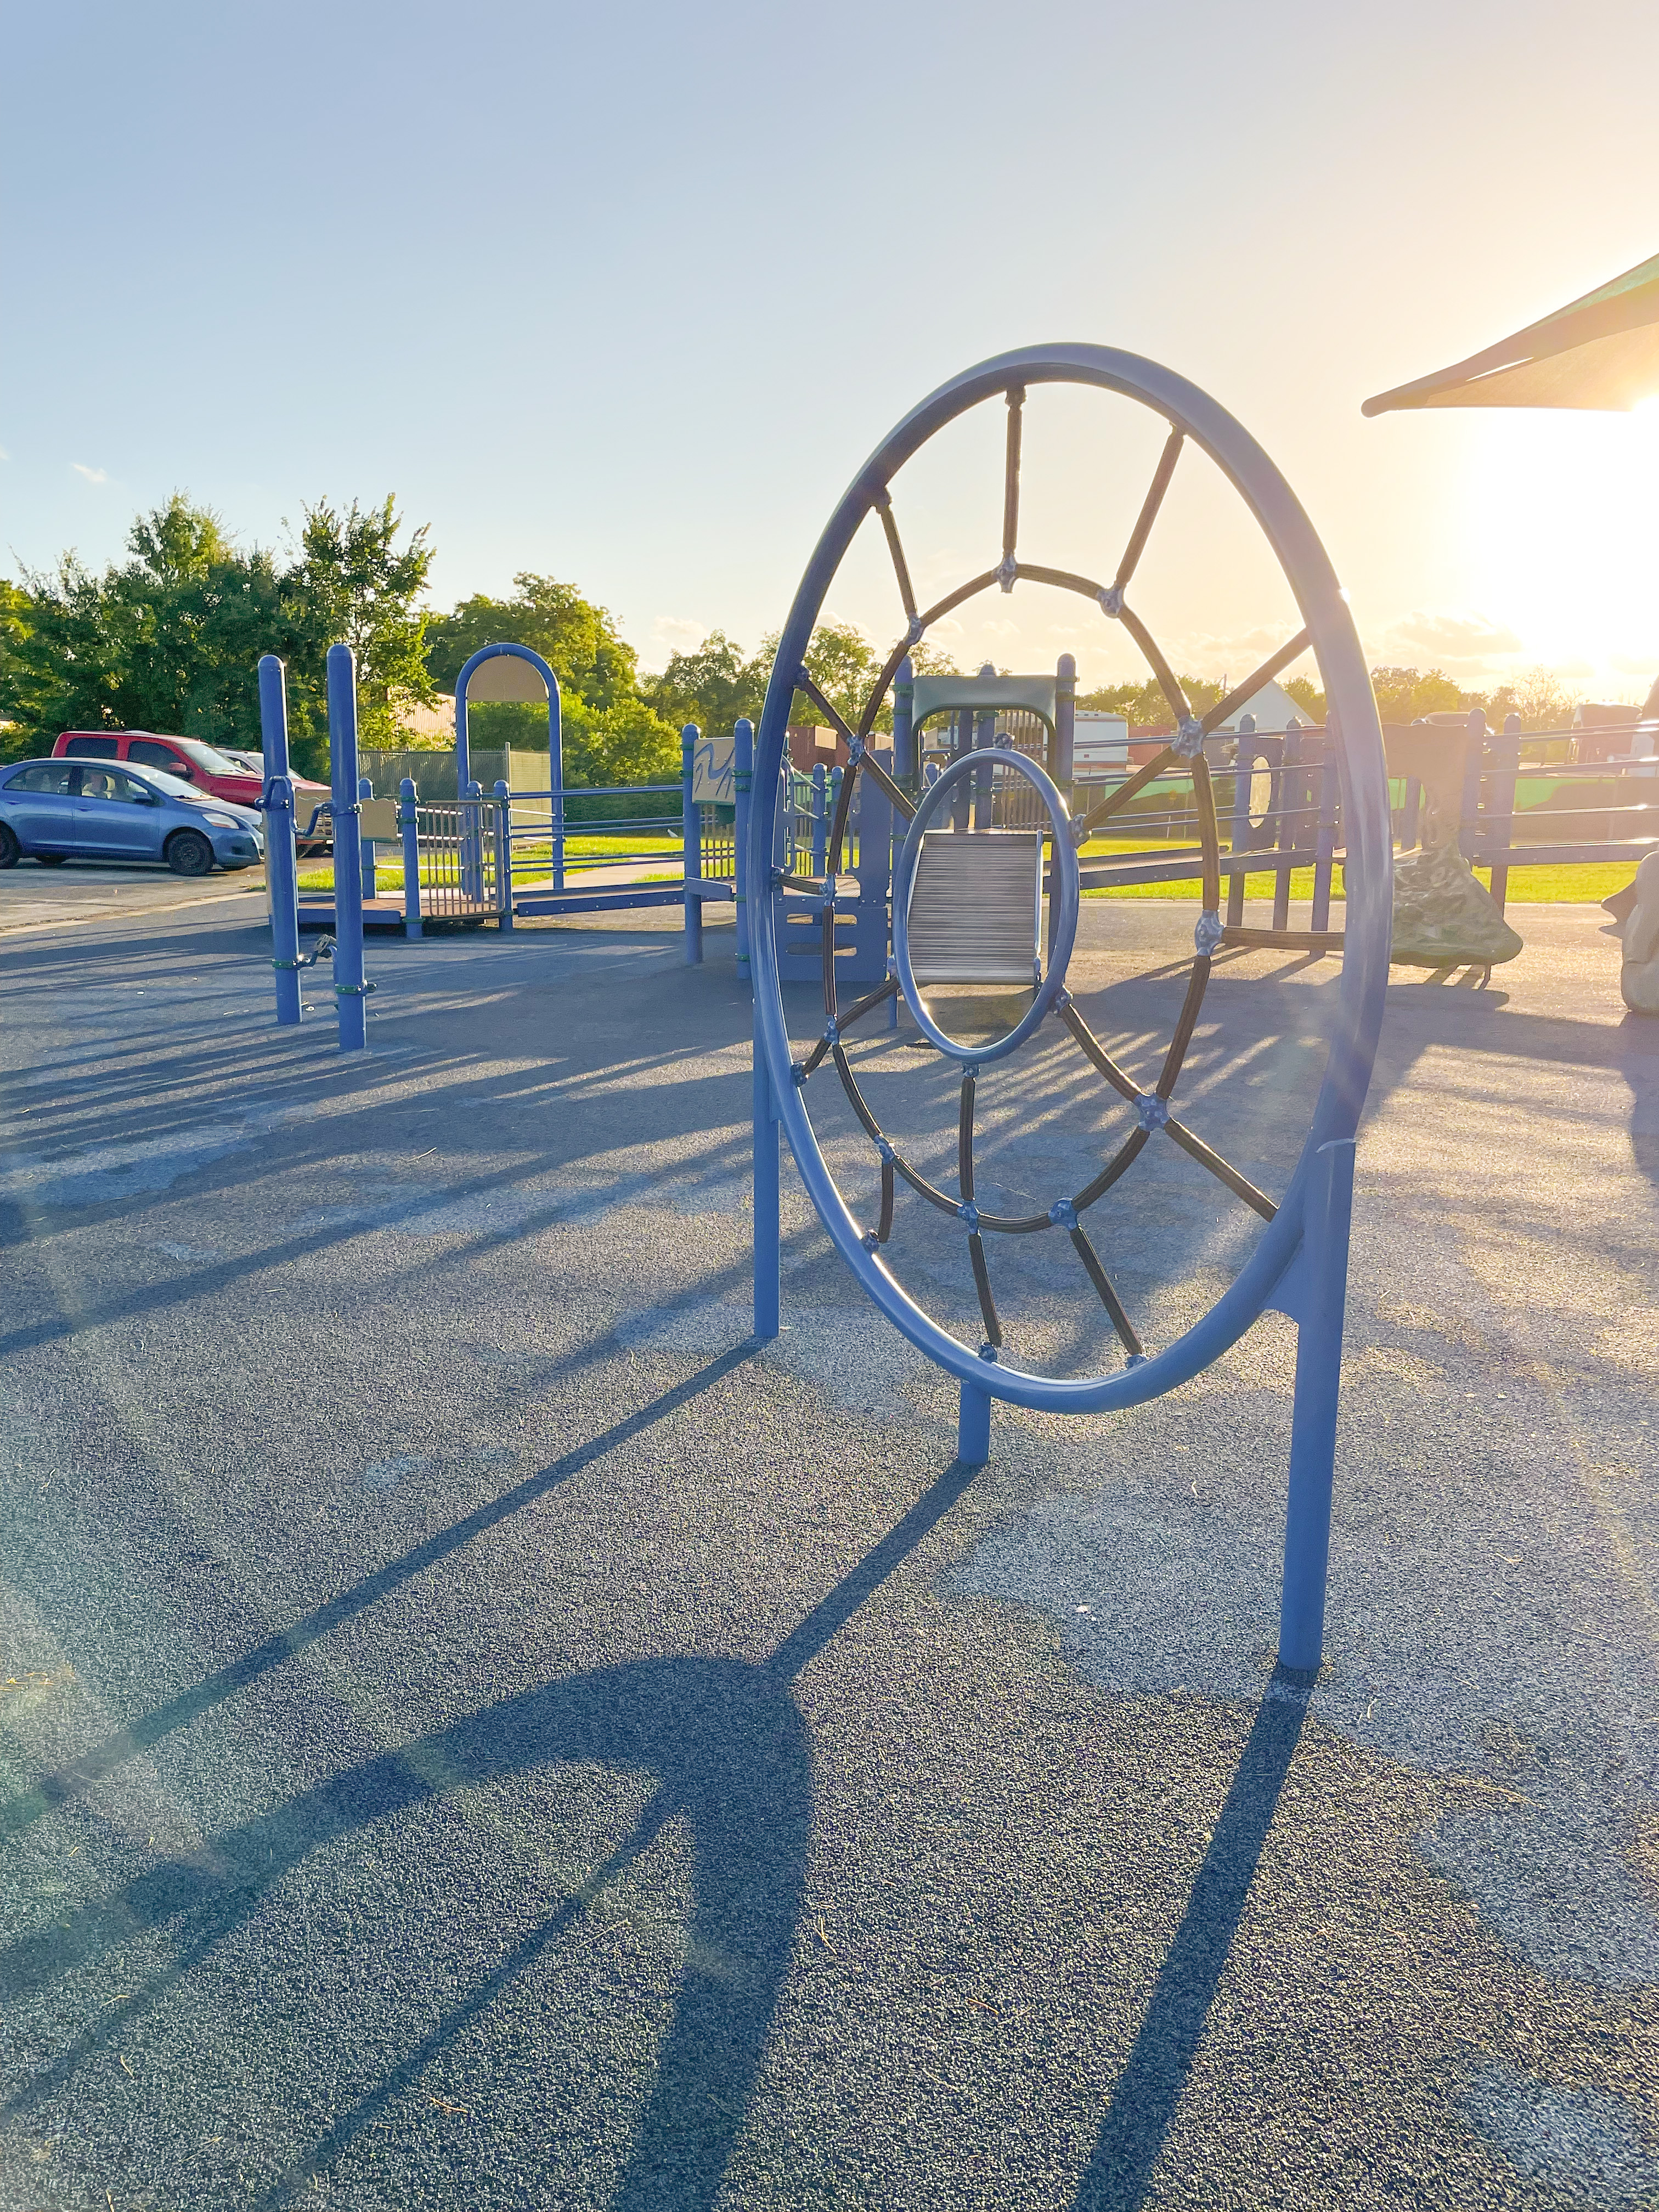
[1065, 881]
[1367, 873]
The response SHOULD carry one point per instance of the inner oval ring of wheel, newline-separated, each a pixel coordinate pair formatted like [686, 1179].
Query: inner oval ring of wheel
[1358, 748]
[1066, 882]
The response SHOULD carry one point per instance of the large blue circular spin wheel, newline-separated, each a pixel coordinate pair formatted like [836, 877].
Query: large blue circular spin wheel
[968, 916]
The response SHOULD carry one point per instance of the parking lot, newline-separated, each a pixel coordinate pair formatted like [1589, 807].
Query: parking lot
[479, 1732]
[79, 892]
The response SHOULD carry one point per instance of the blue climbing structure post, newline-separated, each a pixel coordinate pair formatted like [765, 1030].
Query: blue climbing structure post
[282, 874]
[742, 780]
[409, 828]
[366, 845]
[349, 988]
[504, 850]
[691, 844]
[1325, 1222]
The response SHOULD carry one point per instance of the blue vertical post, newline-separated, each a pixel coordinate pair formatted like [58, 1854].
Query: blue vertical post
[556, 778]
[691, 844]
[1468, 841]
[985, 731]
[408, 824]
[1243, 777]
[904, 726]
[504, 850]
[974, 1426]
[471, 823]
[767, 1227]
[1325, 853]
[742, 780]
[1500, 802]
[1327, 1214]
[366, 845]
[348, 986]
[280, 871]
[1291, 785]
[1064, 723]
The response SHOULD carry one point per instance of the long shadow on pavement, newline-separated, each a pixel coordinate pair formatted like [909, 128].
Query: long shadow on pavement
[1154, 2076]
[727, 1743]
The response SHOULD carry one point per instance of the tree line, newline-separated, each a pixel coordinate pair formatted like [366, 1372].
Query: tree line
[169, 638]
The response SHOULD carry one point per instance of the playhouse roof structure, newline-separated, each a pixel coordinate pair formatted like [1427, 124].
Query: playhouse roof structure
[1602, 351]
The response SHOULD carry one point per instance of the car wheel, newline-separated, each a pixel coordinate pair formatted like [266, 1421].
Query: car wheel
[51, 860]
[7, 847]
[189, 854]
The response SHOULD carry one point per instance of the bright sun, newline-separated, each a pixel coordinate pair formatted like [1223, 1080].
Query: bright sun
[1565, 548]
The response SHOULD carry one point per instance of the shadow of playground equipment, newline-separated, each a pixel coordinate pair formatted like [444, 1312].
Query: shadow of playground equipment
[727, 1745]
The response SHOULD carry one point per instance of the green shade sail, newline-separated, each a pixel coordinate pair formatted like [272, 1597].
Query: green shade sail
[1602, 351]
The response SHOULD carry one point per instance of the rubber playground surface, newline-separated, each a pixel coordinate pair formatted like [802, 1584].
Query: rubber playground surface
[475, 1731]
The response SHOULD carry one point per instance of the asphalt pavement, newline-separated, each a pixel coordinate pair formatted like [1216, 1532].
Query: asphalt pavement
[478, 1731]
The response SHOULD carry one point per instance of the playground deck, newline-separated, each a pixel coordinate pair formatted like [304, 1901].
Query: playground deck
[476, 1733]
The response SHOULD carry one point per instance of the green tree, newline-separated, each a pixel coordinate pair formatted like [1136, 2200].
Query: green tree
[355, 585]
[171, 638]
[712, 687]
[579, 641]
[1403, 694]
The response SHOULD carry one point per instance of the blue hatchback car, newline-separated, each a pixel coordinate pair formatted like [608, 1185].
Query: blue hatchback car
[52, 811]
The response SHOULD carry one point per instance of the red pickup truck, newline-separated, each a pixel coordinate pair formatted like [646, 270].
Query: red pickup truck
[204, 766]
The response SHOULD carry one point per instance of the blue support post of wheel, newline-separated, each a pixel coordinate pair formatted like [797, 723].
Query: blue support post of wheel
[410, 827]
[282, 874]
[1325, 1222]
[349, 987]
[366, 845]
[691, 844]
[743, 781]
[767, 1227]
[504, 852]
[974, 1426]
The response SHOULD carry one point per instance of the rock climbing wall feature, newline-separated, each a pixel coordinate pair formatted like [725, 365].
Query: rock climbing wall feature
[1443, 916]
[1639, 976]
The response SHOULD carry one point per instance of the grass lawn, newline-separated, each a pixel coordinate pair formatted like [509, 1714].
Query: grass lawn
[1555, 886]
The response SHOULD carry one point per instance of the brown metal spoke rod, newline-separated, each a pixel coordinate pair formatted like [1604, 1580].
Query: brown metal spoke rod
[1240, 1185]
[1125, 792]
[901, 567]
[1209, 833]
[1011, 484]
[919, 624]
[843, 1022]
[1149, 507]
[1184, 1034]
[1241, 694]
[1109, 1297]
[1165, 676]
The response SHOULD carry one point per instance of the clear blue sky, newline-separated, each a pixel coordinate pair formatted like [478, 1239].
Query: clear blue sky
[625, 295]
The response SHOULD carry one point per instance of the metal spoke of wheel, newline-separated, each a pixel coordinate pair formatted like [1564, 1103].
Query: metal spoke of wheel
[965, 1142]
[919, 625]
[1090, 1044]
[1127, 1154]
[1126, 792]
[1241, 694]
[1109, 1296]
[1240, 1185]
[885, 1225]
[878, 1136]
[1184, 1028]
[1209, 834]
[1150, 505]
[1167, 682]
[901, 567]
[987, 1304]
[1011, 479]
[844, 1022]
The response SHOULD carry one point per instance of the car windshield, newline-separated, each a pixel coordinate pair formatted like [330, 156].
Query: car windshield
[175, 787]
[208, 758]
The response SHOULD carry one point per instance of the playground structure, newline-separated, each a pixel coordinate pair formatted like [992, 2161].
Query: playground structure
[966, 903]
